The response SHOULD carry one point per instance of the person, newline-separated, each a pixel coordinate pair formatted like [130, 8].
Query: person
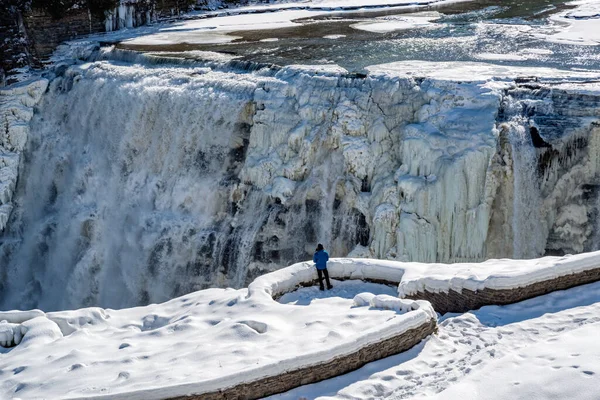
[320, 259]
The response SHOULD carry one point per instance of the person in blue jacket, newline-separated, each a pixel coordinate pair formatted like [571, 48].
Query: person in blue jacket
[320, 259]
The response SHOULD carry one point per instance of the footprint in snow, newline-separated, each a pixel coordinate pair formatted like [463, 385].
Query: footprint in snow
[76, 366]
[18, 370]
[589, 373]
[259, 327]
[123, 375]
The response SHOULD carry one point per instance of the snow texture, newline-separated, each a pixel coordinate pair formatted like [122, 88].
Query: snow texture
[201, 342]
[542, 348]
[578, 26]
[185, 345]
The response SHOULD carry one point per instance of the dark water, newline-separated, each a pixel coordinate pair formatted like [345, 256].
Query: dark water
[466, 31]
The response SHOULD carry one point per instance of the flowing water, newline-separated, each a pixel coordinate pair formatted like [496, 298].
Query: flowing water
[513, 33]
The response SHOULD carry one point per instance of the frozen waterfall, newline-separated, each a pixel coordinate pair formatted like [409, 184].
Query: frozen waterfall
[140, 183]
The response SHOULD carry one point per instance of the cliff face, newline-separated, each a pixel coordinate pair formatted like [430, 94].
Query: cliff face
[140, 183]
[31, 30]
[14, 43]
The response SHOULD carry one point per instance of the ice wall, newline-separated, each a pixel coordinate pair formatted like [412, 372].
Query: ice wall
[16, 110]
[126, 188]
[132, 13]
[145, 182]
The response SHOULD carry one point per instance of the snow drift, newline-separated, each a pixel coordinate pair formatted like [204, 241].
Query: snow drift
[219, 338]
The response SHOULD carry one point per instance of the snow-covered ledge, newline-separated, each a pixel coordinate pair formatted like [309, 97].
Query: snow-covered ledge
[465, 287]
[16, 110]
[375, 344]
[275, 342]
[449, 287]
[288, 279]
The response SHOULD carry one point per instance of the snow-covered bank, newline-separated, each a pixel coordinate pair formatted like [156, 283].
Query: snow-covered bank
[199, 343]
[218, 338]
[580, 26]
[473, 352]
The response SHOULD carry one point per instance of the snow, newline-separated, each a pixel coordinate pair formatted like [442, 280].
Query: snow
[434, 277]
[475, 71]
[273, 16]
[400, 22]
[200, 342]
[216, 338]
[560, 368]
[542, 348]
[579, 26]
[494, 274]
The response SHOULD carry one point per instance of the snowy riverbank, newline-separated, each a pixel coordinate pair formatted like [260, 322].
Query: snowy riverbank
[198, 343]
[217, 338]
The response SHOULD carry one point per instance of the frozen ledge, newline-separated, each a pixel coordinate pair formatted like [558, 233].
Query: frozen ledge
[335, 366]
[476, 71]
[396, 335]
[449, 287]
[465, 299]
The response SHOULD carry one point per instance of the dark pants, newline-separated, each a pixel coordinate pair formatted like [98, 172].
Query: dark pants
[322, 272]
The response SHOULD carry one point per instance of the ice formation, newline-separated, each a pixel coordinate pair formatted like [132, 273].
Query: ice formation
[144, 182]
[129, 14]
[16, 110]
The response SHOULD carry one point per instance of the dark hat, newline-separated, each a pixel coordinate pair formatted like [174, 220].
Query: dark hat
[320, 247]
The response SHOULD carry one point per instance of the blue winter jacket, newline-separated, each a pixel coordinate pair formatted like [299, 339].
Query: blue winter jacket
[320, 258]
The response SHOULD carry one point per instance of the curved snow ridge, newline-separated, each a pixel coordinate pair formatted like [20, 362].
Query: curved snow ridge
[201, 343]
[393, 328]
[285, 280]
[25, 328]
[413, 278]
